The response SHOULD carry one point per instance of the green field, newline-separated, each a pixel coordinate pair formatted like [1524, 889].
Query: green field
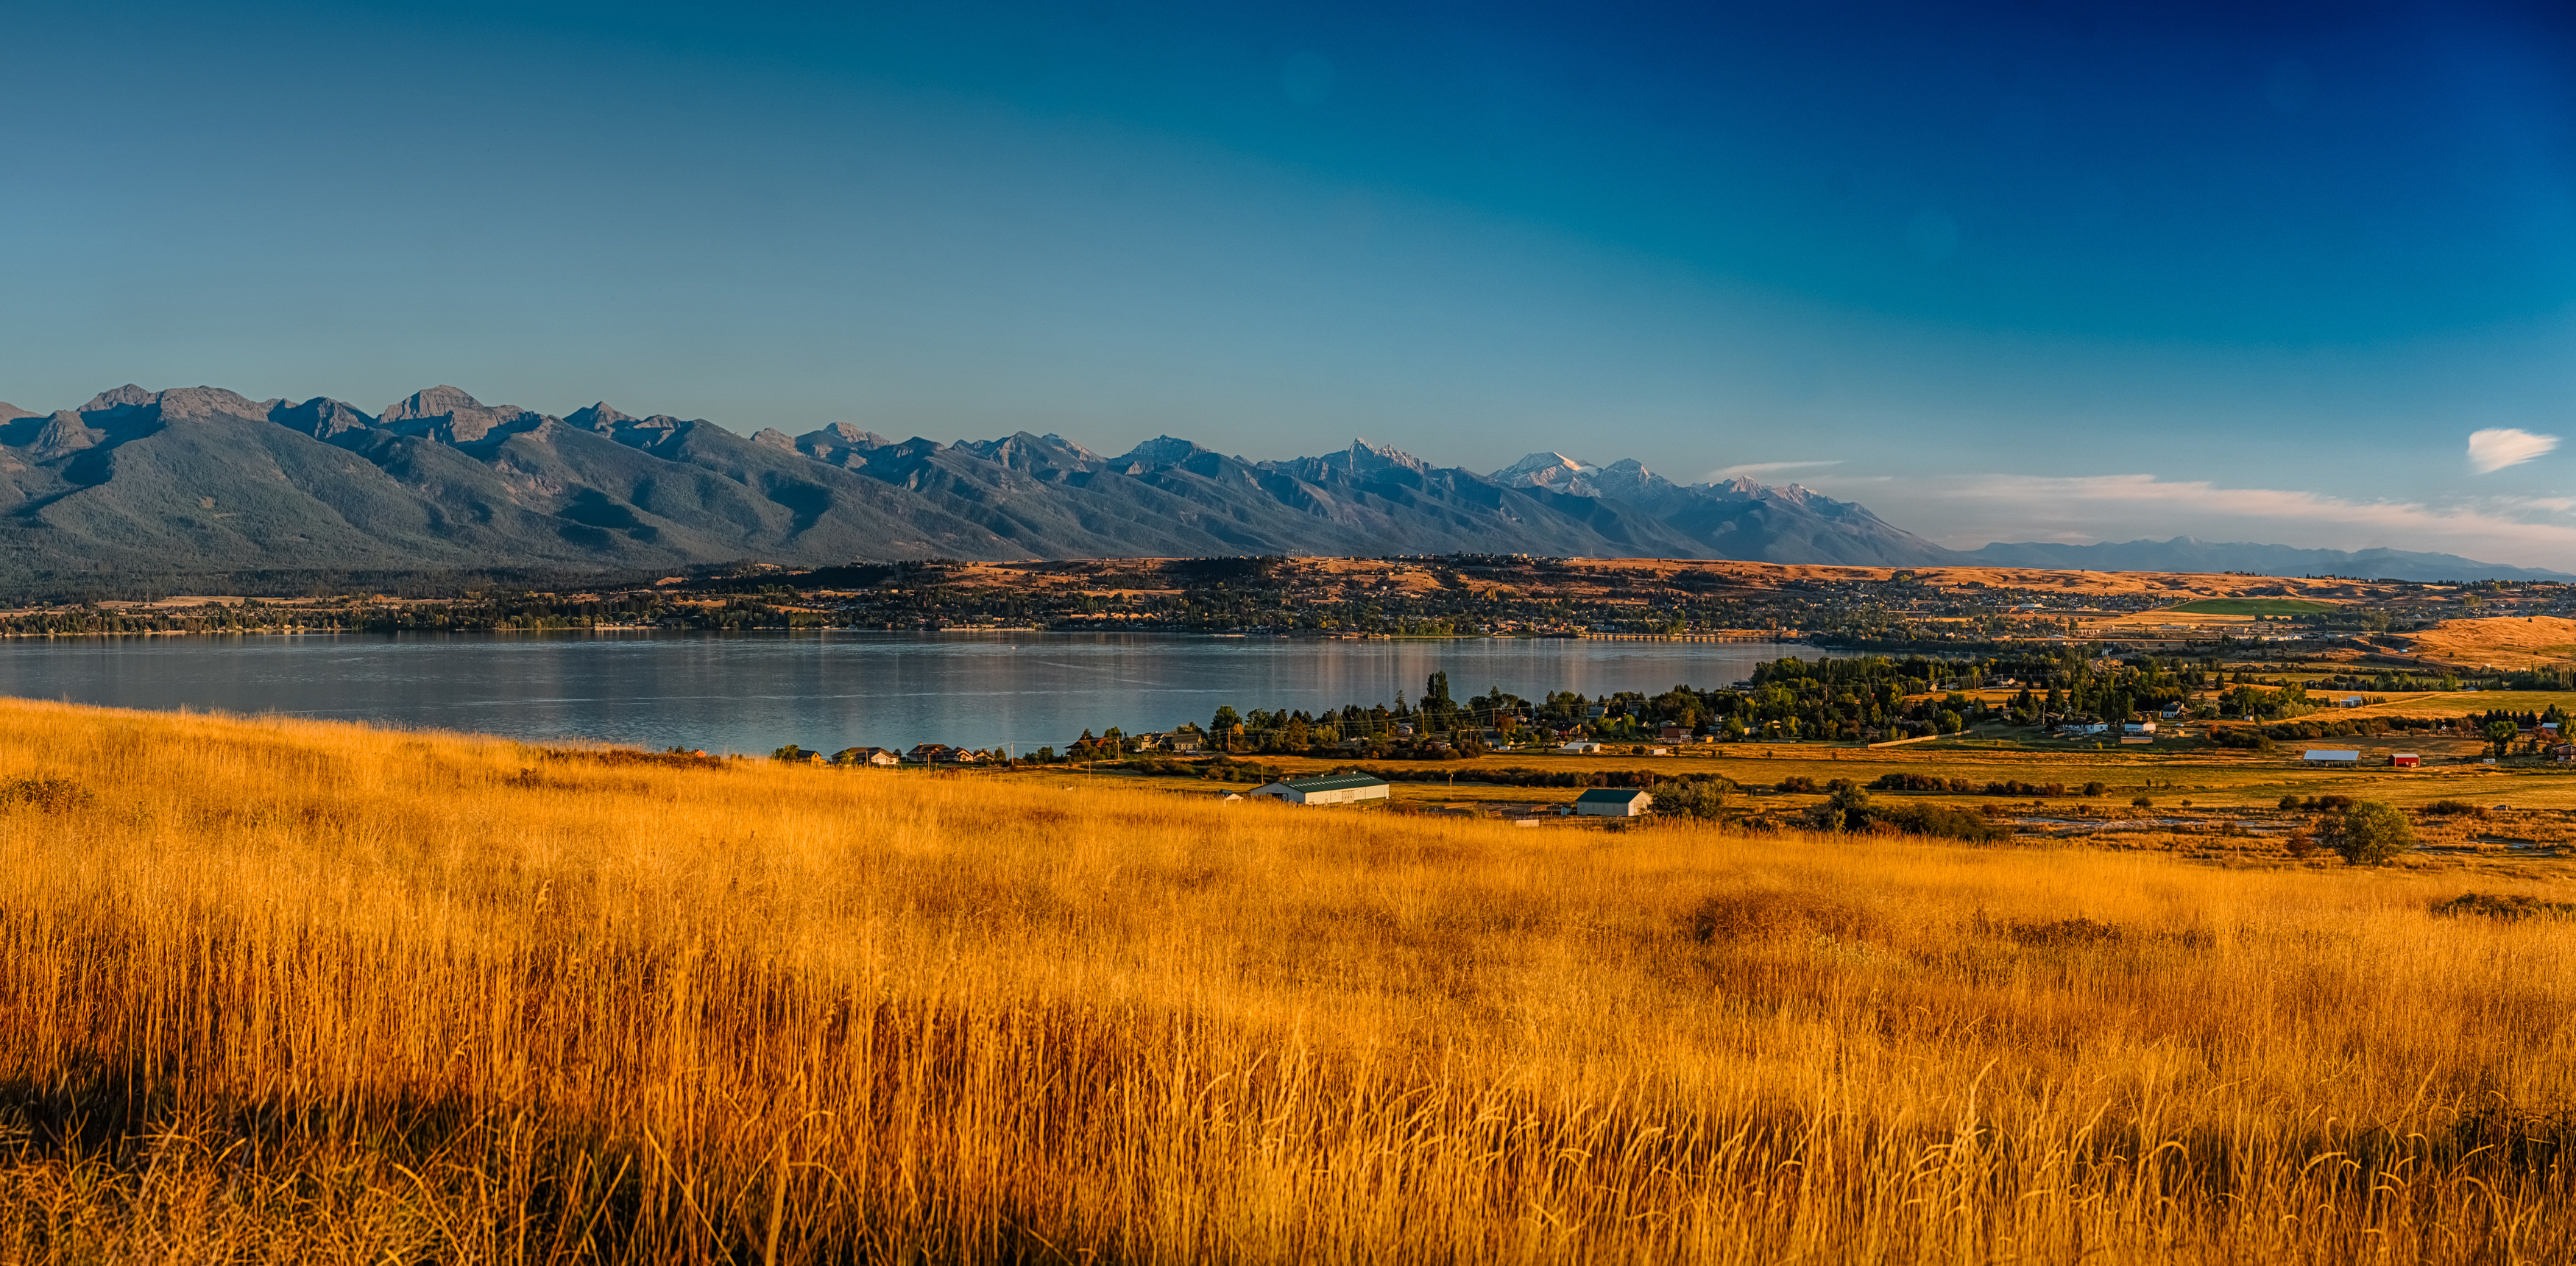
[2254, 606]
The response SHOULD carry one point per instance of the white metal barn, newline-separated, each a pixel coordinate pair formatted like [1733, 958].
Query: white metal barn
[2332, 758]
[1326, 789]
[1606, 802]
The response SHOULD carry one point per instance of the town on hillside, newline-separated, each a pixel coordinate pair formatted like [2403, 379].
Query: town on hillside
[1895, 610]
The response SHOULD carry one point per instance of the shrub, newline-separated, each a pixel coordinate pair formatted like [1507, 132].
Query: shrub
[1922, 782]
[2452, 808]
[1766, 914]
[2094, 789]
[2289, 804]
[49, 795]
[1944, 821]
[1698, 796]
[2016, 787]
[2054, 933]
[2368, 834]
[1846, 808]
[2508, 908]
[2142, 802]
[1799, 784]
[2303, 843]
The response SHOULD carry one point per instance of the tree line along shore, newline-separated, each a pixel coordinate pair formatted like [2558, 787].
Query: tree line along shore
[1460, 595]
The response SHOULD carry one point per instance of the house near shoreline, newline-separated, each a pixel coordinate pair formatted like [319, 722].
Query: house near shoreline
[878, 756]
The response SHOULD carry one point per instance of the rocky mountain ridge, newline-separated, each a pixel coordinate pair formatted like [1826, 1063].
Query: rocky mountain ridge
[202, 480]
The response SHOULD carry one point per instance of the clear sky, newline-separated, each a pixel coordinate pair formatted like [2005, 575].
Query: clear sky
[2027, 271]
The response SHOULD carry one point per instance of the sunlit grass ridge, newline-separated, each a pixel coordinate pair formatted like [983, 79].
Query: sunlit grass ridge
[290, 990]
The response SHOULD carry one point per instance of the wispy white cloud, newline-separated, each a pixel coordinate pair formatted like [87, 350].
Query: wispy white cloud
[2494, 449]
[1765, 468]
[1966, 511]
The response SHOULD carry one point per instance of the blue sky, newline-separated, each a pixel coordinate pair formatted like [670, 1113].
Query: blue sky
[2027, 271]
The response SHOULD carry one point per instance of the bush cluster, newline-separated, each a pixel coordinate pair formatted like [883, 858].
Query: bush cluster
[47, 795]
[2369, 833]
[1847, 807]
[1701, 796]
[2315, 804]
[2503, 906]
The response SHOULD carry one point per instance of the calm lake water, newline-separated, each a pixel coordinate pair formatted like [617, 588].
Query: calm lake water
[753, 692]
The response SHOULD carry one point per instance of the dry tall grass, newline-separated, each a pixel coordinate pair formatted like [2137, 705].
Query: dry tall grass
[306, 992]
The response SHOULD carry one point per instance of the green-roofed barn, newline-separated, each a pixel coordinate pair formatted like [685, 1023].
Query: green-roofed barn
[1613, 802]
[1325, 789]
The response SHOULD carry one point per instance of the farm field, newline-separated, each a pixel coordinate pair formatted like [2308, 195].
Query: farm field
[285, 990]
[2220, 777]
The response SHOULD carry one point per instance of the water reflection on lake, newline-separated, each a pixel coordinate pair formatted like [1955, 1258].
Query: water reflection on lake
[751, 692]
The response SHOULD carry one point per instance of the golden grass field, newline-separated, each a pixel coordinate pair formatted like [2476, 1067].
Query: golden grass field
[293, 991]
[2507, 642]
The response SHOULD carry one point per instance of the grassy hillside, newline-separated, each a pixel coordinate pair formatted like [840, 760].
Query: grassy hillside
[2509, 642]
[2254, 606]
[293, 991]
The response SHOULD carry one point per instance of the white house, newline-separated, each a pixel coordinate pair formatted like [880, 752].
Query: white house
[1325, 789]
[1581, 749]
[1606, 802]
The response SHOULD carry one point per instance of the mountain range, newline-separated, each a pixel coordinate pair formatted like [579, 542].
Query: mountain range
[202, 480]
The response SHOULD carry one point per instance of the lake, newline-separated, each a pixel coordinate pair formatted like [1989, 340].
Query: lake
[752, 692]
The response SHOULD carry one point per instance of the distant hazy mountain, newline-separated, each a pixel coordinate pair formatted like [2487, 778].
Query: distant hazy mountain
[2183, 553]
[201, 480]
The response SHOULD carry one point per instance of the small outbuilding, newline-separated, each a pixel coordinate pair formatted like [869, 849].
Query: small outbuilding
[2351, 759]
[1614, 802]
[1325, 789]
[2406, 760]
[1581, 749]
